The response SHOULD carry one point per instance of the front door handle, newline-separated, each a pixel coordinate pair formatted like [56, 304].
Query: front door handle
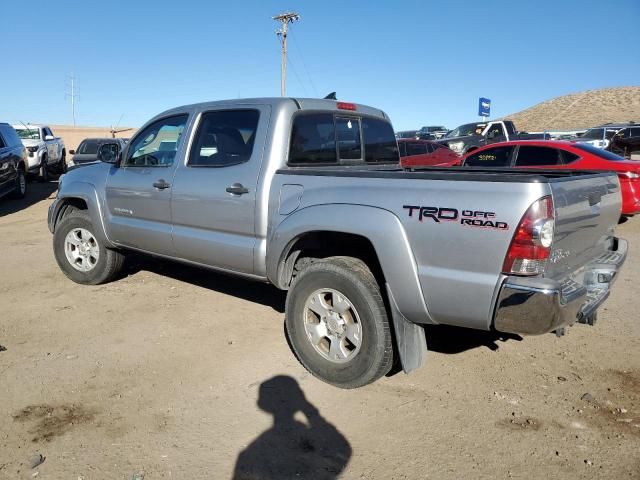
[237, 189]
[161, 184]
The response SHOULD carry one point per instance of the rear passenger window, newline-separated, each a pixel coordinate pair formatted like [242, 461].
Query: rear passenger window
[568, 157]
[313, 139]
[529, 156]
[416, 149]
[224, 138]
[492, 157]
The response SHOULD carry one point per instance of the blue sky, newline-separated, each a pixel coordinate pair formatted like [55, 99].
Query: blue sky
[423, 62]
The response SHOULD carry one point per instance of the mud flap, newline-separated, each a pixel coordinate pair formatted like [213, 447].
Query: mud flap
[410, 338]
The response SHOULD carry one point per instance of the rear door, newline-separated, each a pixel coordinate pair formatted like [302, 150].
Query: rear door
[534, 156]
[138, 193]
[214, 192]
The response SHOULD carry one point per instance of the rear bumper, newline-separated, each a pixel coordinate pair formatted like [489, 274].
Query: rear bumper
[533, 306]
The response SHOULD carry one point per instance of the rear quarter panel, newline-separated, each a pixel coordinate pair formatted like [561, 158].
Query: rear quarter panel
[458, 266]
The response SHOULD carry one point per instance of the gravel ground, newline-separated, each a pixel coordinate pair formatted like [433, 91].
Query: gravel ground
[174, 372]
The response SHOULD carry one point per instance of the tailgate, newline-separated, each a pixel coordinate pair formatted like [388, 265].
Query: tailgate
[587, 211]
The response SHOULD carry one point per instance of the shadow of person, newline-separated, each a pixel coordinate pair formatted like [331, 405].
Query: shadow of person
[292, 448]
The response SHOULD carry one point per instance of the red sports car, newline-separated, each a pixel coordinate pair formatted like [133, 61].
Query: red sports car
[549, 154]
[424, 153]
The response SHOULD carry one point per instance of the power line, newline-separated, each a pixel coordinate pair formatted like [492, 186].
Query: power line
[286, 19]
[304, 65]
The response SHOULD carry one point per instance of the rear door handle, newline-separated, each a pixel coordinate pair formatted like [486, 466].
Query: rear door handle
[237, 189]
[161, 184]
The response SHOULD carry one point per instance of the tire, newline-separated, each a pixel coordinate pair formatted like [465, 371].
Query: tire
[21, 184]
[102, 265]
[343, 280]
[62, 167]
[43, 173]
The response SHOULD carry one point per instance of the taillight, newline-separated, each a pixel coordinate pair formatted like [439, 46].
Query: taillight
[531, 244]
[347, 106]
[629, 175]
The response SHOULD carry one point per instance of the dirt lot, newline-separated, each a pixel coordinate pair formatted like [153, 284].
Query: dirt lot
[158, 375]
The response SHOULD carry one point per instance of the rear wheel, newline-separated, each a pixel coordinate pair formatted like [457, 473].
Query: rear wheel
[337, 322]
[80, 254]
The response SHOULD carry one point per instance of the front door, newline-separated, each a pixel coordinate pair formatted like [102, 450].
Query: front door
[138, 193]
[214, 191]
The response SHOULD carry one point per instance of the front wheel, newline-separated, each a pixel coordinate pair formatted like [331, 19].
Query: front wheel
[80, 254]
[43, 174]
[20, 189]
[62, 168]
[337, 323]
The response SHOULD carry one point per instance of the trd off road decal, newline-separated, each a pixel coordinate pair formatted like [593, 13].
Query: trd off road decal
[469, 218]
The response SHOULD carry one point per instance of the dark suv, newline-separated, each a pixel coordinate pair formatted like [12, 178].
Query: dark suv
[13, 161]
[626, 141]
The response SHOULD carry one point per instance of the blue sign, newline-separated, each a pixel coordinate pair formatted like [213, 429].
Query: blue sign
[484, 107]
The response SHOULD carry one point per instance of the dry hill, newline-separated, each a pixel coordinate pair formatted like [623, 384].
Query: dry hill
[581, 110]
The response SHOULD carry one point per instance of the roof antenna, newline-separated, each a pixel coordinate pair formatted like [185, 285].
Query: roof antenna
[331, 96]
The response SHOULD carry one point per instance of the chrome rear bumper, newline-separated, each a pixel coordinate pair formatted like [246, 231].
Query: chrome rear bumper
[533, 306]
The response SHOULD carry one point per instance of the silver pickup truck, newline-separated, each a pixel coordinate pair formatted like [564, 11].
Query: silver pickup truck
[307, 194]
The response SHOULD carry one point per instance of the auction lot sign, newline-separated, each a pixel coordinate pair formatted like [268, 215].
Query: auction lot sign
[484, 107]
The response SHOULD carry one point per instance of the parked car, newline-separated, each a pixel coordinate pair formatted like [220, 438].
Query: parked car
[550, 154]
[87, 151]
[13, 163]
[424, 153]
[437, 131]
[46, 152]
[626, 142]
[308, 195]
[470, 136]
[599, 136]
[407, 134]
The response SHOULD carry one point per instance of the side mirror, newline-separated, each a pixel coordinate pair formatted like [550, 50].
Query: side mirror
[108, 153]
[72, 152]
[49, 137]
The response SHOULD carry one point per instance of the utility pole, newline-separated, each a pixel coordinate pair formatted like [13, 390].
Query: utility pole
[73, 95]
[286, 19]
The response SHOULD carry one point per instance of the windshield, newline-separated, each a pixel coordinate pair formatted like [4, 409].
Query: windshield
[598, 152]
[466, 129]
[433, 129]
[28, 133]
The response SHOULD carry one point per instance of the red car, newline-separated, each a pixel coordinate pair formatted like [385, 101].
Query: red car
[424, 153]
[549, 154]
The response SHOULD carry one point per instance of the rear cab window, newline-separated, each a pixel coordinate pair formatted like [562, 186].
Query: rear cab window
[332, 139]
[491, 157]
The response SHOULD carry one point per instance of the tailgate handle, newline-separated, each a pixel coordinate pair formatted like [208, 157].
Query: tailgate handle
[594, 199]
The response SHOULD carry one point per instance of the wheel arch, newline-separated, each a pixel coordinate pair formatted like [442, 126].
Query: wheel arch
[82, 196]
[377, 234]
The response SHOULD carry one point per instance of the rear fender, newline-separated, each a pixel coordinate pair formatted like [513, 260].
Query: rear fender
[381, 227]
